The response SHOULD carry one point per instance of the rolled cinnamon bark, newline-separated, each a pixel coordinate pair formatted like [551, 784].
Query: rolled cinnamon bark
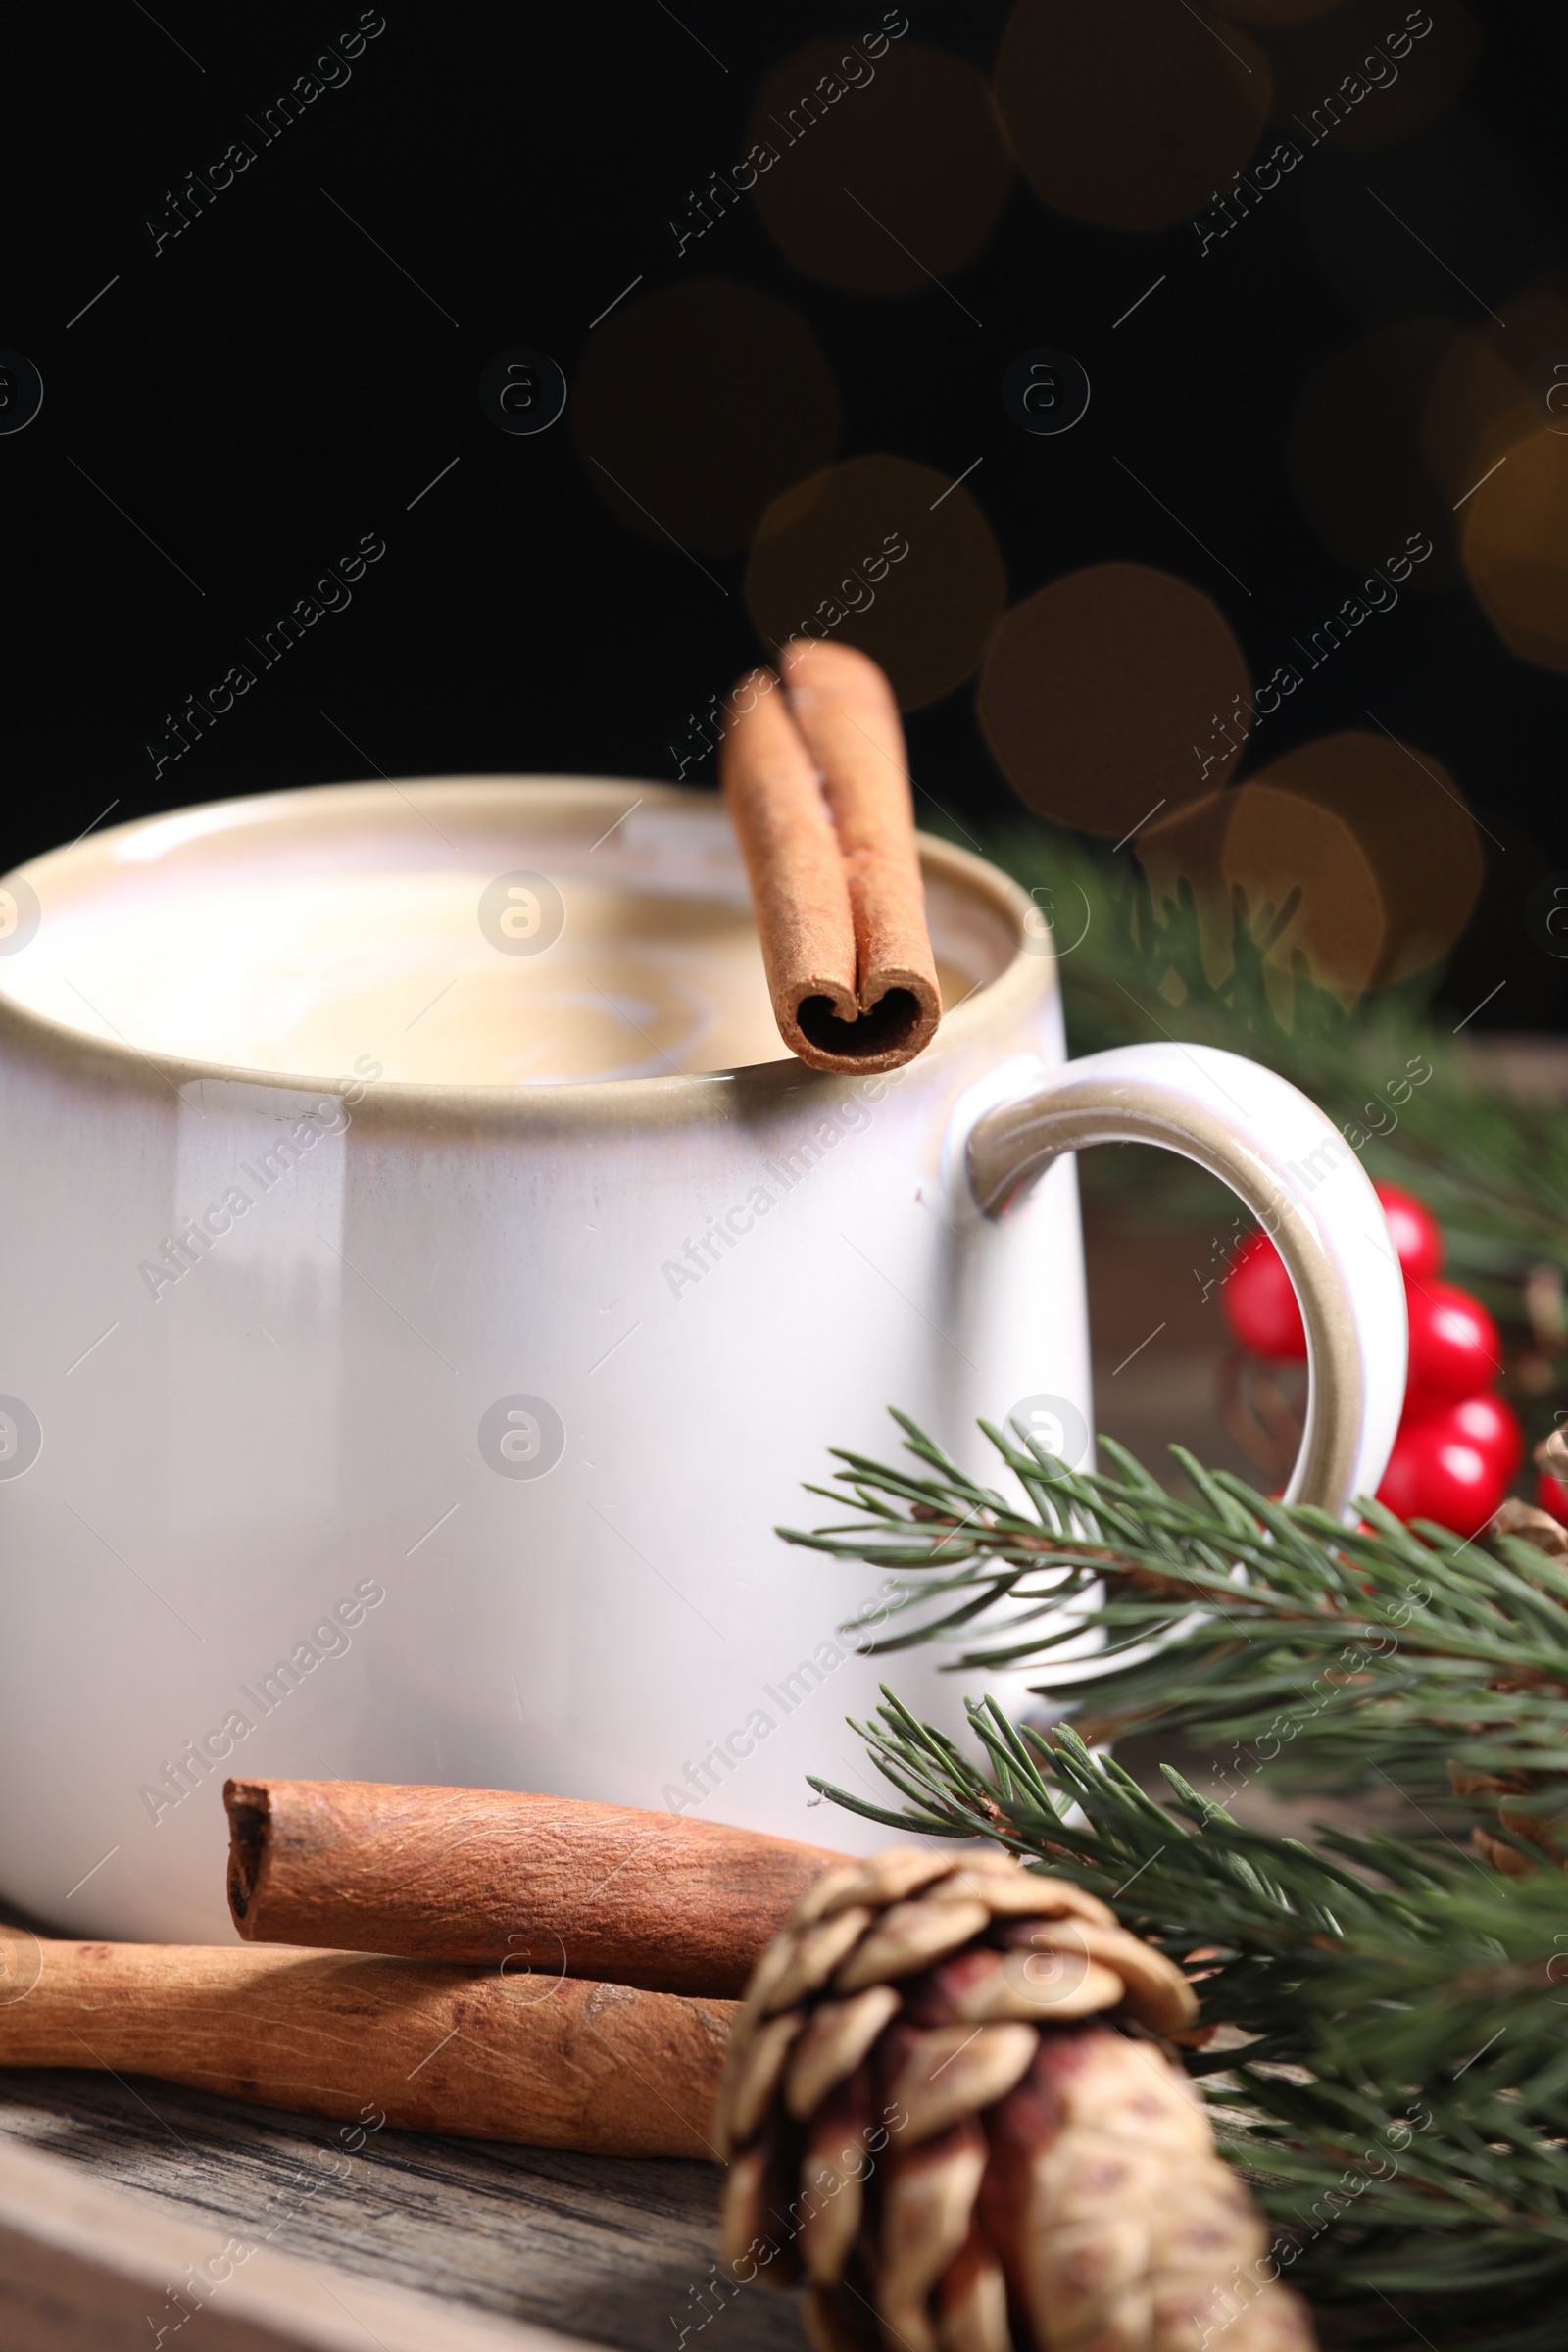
[799, 890]
[817, 787]
[548, 2061]
[497, 1878]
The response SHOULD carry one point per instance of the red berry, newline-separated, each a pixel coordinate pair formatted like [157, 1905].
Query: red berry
[1434, 1473]
[1552, 1495]
[1417, 1235]
[1455, 1349]
[1484, 1422]
[1260, 1304]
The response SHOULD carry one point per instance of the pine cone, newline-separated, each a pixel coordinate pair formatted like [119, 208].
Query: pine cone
[921, 2122]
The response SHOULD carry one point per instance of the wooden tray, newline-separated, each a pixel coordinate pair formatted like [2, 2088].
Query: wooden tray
[109, 2188]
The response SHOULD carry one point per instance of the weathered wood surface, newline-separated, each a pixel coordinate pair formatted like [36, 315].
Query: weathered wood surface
[618, 2252]
[88, 2269]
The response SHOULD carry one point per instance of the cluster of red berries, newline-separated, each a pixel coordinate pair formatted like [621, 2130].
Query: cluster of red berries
[1458, 1445]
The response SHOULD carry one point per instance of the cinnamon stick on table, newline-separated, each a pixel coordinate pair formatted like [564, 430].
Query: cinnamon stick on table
[814, 775]
[498, 1878]
[548, 2061]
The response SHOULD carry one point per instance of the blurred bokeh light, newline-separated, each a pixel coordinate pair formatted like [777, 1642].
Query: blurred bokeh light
[1307, 885]
[1353, 451]
[897, 179]
[885, 554]
[1476, 410]
[1516, 548]
[1356, 52]
[1131, 113]
[1372, 841]
[692, 407]
[1276, 12]
[1487, 394]
[1111, 694]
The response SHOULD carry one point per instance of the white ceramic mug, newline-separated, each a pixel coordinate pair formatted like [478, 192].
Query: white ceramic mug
[456, 1456]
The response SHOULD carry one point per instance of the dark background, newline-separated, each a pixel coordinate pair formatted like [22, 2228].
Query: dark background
[271, 386]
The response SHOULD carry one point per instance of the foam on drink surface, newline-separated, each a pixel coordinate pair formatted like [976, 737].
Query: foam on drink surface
[303, 976]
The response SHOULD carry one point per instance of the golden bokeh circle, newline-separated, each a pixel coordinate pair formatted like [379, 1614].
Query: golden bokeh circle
[1343, 70]
[881, 176]
[1105, 692]
[1417, 835]
[1130, 114]
[1483, 399]
[1475, 411]
[693, 407]
[1277, 12]
[1354, 851]
[826, 562]
[1354, 450]
[1535, 327]
[1515, 549]
[1279, 841]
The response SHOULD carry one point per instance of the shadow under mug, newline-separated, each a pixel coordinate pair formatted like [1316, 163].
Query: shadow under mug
[455, 1456]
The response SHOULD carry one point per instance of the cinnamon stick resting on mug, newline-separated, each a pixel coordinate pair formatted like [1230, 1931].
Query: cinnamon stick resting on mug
[545, 2060]
[500, 1879]
[819, 791]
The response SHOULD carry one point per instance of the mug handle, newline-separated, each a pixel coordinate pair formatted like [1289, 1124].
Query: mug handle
[1300, 1179]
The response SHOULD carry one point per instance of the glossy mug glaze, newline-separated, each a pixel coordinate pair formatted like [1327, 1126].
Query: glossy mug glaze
[362, 1419]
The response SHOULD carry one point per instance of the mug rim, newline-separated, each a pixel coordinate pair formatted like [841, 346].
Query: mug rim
[1028, 976]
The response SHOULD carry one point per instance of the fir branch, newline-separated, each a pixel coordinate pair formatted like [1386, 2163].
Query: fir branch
[1263, 1629]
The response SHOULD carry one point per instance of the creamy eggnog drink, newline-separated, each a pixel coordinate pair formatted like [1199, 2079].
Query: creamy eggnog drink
[303, 977]
[445, 973]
